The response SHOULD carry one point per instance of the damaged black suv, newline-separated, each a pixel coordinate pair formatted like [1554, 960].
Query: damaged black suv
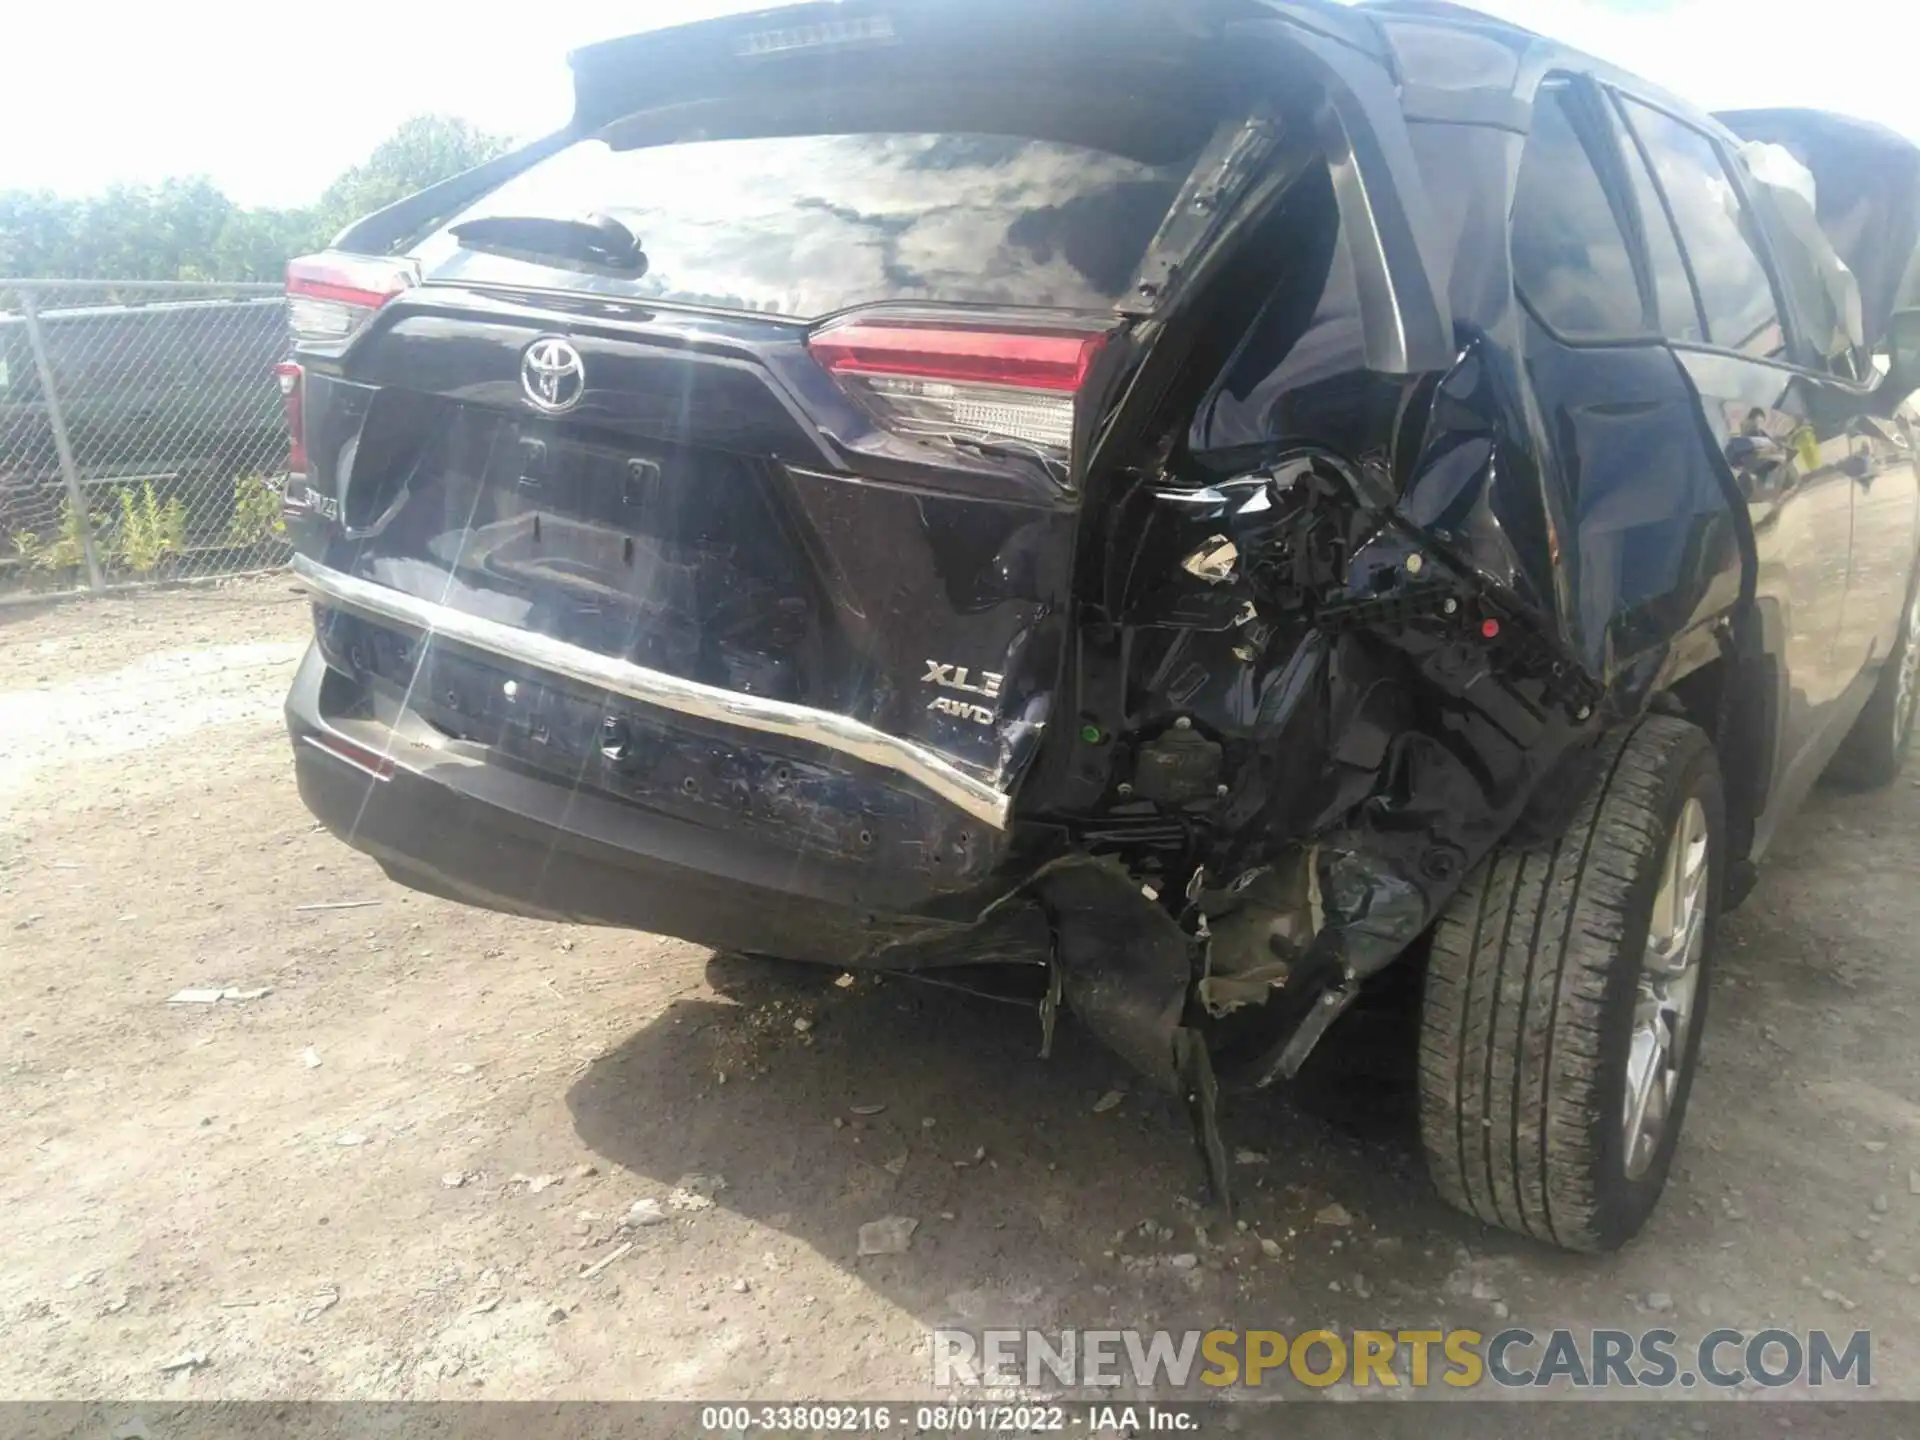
[1207, 499]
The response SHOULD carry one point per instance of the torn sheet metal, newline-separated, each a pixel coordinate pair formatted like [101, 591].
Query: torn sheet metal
[1126, 969]
[1382, 717]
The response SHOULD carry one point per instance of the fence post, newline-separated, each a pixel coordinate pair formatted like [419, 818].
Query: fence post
[68, 470]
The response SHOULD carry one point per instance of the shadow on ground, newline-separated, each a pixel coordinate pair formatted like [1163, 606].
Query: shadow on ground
[1087, 1218]
[1047, 1227]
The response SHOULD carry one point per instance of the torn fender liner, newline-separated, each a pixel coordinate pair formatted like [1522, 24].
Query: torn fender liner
[1395, 713]
[1126, 970]
[1435, 753]
[1127, 966]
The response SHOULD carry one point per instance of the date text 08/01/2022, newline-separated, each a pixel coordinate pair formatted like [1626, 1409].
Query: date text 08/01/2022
[880, 1419]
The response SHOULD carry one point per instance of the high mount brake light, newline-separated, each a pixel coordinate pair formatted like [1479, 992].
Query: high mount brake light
[955, 381]
[331, 295]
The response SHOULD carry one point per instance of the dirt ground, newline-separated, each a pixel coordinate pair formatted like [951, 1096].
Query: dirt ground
[387, 1175]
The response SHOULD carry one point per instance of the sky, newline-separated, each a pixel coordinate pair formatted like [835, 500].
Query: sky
[272, 101]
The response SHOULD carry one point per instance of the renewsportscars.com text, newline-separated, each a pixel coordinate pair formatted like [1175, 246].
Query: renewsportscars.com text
[1514, 1358]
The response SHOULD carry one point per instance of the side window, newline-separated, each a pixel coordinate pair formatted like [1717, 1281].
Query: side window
[1570, 257]
[1673, 287]
[1718, 233]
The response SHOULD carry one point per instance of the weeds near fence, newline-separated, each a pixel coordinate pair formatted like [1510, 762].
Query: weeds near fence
[256, 512]
[65, 550]
[151, 530]
[142, 532]
[120, 386]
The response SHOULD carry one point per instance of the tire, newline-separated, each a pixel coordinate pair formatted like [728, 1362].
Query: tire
[1871, 755]
[1530, 1017]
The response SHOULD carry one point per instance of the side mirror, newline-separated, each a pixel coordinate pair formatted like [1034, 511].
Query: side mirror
[1903, 351]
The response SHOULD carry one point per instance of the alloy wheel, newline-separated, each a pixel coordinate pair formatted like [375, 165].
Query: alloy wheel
[1668, 983]
[1909, 672]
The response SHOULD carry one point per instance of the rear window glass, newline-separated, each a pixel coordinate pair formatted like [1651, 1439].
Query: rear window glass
[1570, 258]
[1673, 287]
[806, 225]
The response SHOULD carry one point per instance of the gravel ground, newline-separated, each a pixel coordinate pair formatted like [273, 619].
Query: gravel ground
[393, 1161]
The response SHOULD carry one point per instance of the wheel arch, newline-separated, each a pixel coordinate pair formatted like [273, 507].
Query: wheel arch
[1723, 677]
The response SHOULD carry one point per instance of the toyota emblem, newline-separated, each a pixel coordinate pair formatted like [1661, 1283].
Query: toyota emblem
[551, 374]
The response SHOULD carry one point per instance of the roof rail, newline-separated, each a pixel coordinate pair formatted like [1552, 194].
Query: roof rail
[1443, 10]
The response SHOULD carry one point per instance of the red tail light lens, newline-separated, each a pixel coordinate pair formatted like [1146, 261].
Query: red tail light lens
[1057, 361]
[368, 762]
[936, 381]
[292, 380]
[331, 295]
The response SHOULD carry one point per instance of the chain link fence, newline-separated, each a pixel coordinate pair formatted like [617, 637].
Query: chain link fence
[142, 434]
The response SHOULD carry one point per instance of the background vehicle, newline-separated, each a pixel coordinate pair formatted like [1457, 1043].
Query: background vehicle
[1192, 508]
[176, 393]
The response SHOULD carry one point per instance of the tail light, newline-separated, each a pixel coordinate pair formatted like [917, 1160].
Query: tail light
[370, 763]
[293, 397]
[332, 294]
[952, 381]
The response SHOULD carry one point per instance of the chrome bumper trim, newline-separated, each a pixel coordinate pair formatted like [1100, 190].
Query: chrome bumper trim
[651, 687]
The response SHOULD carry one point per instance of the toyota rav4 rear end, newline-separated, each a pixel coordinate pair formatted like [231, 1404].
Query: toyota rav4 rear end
[720, 586]
[745, 515]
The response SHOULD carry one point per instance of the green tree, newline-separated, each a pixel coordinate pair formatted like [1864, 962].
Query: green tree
[424, 149]
[35, 226]
[188, 229]
[256, 244]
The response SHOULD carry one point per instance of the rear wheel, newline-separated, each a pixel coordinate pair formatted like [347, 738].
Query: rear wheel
[1565, 997]
[1874, 749]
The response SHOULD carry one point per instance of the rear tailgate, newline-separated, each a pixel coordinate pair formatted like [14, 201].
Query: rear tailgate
[815, 464]
[687, 537]
[817, 471]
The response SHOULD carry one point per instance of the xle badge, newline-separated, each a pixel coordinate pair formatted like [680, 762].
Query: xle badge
[955, 677]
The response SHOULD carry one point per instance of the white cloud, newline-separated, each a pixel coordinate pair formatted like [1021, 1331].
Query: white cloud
[273, 101]
[1854, 56]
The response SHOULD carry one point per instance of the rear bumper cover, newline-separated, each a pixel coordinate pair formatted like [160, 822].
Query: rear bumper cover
[493, 835]
[940, 776]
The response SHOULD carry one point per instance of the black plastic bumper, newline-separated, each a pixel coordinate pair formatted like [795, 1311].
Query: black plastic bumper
[489, 835]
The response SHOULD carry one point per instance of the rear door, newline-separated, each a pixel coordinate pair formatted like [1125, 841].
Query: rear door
[1620, 422]
[1787, 431]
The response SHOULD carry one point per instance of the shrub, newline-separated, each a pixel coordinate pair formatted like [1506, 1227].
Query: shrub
[66, 550]
[256, 512]
[150, 531]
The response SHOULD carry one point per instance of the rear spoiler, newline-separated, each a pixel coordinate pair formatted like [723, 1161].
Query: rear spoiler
[824, 41]
[388, 231]
[1867, 190]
